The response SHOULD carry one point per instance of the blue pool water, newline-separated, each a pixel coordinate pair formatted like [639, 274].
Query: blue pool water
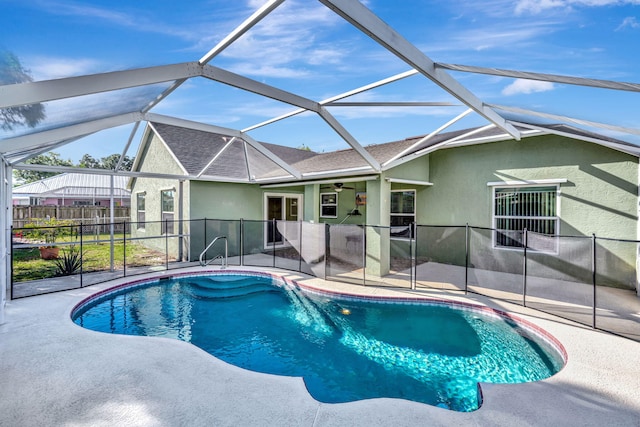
[345, 350]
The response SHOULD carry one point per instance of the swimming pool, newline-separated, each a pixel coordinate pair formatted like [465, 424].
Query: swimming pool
[345, 348]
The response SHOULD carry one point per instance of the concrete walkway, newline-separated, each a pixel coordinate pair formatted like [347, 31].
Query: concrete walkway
[55, 373]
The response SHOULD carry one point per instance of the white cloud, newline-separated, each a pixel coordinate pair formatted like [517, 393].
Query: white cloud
[537, 6]
[522, 86]
[47, 68]
[629, 22]
[294, 36]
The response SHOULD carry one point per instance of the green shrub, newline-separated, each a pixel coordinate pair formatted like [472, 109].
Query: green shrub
[70, 262]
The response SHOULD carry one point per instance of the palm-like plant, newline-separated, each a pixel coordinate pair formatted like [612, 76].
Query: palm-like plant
[70, 262]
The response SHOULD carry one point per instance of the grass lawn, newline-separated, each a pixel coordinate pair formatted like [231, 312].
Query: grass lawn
[27, 264]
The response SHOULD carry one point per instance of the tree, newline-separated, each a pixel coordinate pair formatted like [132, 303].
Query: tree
[50, 159]
[53, 159]
[87, 161]
[110, 162]
[12, 72]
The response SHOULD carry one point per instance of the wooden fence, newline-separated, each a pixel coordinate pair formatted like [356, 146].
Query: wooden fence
[23, 215]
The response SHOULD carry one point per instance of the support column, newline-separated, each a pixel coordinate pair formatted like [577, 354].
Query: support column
[311, 203]
[378, 238]
[638, 238]
[6, 219]
[111, 221]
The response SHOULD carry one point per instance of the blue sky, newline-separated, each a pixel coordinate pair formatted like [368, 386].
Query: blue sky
[305, 48]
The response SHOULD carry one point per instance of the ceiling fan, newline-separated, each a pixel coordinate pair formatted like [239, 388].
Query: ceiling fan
[338, 187]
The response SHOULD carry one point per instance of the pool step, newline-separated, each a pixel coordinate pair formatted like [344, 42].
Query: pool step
[227, 288]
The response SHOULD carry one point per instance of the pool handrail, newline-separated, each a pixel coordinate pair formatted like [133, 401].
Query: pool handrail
[224, 264]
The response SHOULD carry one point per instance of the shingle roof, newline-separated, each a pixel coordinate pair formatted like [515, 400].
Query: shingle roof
[195, 148]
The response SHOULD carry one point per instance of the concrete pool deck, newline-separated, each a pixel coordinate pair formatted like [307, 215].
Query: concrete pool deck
[55, 373]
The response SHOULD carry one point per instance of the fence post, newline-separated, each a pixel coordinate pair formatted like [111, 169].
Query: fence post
[593, 277]
[412, 258]
[204, 245]
[241, 241]
[364, 255]
[124, 248]
[326, 248]
[273, 236]
[300, 248]
[111, 250]
[81, 254]
[166, 243]
[524, 268]
[466, 259]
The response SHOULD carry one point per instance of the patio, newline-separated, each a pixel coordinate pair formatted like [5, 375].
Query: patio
[57, 373]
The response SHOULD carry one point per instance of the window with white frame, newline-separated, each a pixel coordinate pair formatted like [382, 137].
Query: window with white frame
[167, 197]
[140, 207]
[329, 205]
[534, 208]
[403, 213]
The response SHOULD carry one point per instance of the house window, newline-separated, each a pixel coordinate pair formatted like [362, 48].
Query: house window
[329, 205]
[167, 211]
[517, 208]
[403, 213]
[140, 204]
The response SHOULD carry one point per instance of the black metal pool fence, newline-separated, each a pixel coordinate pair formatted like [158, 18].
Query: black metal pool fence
[587, 279]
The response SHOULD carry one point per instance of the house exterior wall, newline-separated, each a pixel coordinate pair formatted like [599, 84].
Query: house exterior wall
[600, 196]
[156, 158]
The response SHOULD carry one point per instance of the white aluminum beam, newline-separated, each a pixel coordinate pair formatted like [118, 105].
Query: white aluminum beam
[362, 18]
[218, 154]
[128, 144]
[49, 90]
[338, 97]
[223, 131]
[168, 148]
[246, 160]
[37, 139]
[344, 134]
[391, 104]
[176, 84]
[277, 160]
[553, 78]
[250, 85]
[388, 163]
[174, 121]
[435, 147]
[61, 169]
[256, 17]
[633, 131]
[5, 236]
[620, 147]
[24, 155]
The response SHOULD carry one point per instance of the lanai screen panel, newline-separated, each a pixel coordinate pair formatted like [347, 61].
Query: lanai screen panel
[80, 109]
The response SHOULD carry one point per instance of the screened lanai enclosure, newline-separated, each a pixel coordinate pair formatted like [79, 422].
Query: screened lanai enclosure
[335, 76]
